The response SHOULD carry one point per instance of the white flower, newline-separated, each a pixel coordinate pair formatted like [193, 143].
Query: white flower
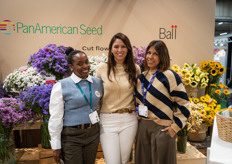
[95, 61]
[21, 80]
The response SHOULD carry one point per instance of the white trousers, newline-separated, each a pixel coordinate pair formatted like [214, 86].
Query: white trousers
[117, 134]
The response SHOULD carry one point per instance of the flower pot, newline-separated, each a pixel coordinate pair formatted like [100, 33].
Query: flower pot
[191, 92]
[7, 150]
[181, 144]
[45, 136]
[199, 135]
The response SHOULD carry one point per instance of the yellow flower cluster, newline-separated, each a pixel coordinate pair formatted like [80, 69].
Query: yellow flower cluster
[220, 88]
[192, 75]
[214, 69]
[196, 118]
[209, 110]
[218, 92]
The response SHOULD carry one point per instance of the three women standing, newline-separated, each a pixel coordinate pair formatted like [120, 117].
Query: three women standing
[163, 105]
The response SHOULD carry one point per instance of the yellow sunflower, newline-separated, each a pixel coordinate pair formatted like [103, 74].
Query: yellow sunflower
[196, 78]
[186, 65]
[213, 85]
[203, 85]
[207, 109]
[221, 86]
[195, 100]
[211, 62]
[205, 64]
[213, 72]
[218, 91]
[209, 117]
[226, 91]
[217, 65]
[218, 107]
[175, 67]
[207, 96]
[215, 101]
[187, 75]
[190, 99]
[202, 98]
[221, 70]
[201, 65]
[176, 70]
[194, 84]
[187, 81]
[184, 71]
[203, 112]
[212, 65]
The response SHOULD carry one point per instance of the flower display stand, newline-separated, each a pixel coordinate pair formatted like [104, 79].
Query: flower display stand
[46, 156]
[199, 135]
[192, 156]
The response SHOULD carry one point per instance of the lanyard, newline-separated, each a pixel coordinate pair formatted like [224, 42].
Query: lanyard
[90, 94]
[149, 85]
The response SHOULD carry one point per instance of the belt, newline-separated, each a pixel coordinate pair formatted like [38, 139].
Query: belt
[124, 110]
[82, 126]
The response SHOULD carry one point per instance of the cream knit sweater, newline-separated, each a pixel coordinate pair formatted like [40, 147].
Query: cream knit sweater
[118, 93]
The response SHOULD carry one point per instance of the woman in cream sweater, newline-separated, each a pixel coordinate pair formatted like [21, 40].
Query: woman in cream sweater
[118, 123]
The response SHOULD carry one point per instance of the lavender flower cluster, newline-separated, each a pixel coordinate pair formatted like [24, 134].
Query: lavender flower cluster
[139, 56]
[37, 98]
[13, 112]
[50, 59]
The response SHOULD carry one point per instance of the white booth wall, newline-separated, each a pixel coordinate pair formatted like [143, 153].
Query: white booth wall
[141, 20]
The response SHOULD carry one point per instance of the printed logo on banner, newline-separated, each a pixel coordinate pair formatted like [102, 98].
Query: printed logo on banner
[168, 33]
[7, 27]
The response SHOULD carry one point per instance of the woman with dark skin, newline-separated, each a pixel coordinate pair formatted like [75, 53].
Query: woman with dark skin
[73, 102]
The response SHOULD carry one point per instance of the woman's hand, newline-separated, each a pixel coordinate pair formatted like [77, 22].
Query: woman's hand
[172, 133]
[57, 155]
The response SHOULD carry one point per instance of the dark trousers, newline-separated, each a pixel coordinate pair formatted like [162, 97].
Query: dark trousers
[79, 146]
[154, 146]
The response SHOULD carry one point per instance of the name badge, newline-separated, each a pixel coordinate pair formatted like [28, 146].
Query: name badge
[94, 118]
[143, 111]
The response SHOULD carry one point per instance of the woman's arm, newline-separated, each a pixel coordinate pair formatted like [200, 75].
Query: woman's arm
[55, 125]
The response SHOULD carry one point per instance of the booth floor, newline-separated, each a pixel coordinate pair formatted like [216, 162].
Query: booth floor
[196, 152]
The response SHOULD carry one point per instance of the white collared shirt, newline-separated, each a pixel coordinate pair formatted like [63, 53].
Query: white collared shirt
[56, 110]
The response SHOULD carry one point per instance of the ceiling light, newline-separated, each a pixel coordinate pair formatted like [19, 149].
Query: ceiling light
[220, 23]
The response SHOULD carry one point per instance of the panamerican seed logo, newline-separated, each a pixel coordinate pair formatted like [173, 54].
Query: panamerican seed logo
[7, 27]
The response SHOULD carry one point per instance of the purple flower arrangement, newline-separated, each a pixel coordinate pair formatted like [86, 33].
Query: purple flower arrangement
[50, 60]
[14, 112]
[139, 56]
[37, 98]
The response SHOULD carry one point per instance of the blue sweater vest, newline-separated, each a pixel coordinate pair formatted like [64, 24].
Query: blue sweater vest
[76, 109]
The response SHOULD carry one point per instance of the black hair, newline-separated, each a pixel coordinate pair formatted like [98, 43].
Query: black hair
[70, 52]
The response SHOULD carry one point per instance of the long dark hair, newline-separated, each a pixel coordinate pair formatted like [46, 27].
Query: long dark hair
[129, 63]
[163, 55]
